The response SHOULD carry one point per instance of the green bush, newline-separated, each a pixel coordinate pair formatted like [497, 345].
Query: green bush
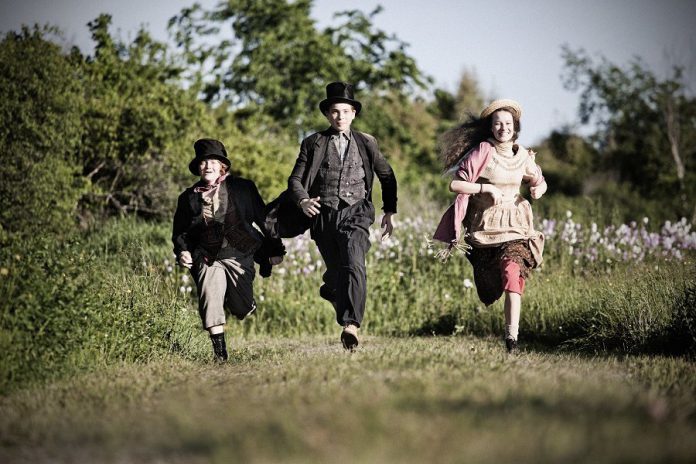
[40, 130]
[91, 300]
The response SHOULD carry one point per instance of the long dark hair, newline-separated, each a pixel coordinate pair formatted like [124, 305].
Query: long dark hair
[459, 140]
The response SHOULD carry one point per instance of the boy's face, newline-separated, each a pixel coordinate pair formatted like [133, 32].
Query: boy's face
[340, 115]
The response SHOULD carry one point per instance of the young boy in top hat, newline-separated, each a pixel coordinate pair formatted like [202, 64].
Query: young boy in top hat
[332, 184]
[215, 239]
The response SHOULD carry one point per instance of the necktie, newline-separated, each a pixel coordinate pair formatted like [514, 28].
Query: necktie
[342, 146]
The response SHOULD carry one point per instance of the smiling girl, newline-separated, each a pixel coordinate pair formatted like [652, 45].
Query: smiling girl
[488, 168]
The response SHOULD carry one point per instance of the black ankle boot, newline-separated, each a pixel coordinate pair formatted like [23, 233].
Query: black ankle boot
[219, 346]
[511, 345]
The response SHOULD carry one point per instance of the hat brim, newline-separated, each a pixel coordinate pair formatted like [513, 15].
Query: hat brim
[504, 103]
[193, 165]
[325, 104]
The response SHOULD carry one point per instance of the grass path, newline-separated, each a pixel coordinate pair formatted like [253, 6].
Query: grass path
[443, 399]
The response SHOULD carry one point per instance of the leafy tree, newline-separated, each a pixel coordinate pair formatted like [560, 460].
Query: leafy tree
[456, 107]
[40, 130]
[139, 124]
[276, 67]
[647, 125]
[569, 162]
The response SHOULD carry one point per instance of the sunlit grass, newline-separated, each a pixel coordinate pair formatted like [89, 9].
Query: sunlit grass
[413, 399]
[104, 359]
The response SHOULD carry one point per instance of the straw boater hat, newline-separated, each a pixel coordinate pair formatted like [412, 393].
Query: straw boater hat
[205, 149]
[503, 103]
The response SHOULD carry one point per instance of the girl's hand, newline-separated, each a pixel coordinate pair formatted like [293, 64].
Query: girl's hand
[538, 191]
[494, 192]
[275, 260]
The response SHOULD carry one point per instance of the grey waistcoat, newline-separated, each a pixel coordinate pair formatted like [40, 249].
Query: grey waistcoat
[341, 181]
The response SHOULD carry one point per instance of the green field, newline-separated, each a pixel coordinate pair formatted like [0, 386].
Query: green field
[409, 399]
[104, 359]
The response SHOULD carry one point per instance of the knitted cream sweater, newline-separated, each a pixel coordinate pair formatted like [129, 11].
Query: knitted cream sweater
[490, 224]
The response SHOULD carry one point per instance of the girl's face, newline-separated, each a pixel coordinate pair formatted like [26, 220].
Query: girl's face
[210, 170]
[503, 126]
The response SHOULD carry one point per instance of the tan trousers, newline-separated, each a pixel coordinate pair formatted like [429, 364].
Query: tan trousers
[225, 284]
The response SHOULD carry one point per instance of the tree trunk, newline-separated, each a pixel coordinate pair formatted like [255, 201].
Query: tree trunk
[672, 123]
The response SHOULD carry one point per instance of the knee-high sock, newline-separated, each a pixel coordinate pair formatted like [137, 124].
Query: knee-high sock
[513, 305]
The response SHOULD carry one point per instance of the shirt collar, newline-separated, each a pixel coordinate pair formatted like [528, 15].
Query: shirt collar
[346, 134]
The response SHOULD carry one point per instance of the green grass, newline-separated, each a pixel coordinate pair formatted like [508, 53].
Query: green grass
[104, 360]
[412, 399]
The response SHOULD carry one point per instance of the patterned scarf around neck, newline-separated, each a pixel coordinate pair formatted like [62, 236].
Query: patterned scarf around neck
[206, 187]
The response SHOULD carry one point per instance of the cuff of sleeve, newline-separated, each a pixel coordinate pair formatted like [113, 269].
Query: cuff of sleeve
[540, 181]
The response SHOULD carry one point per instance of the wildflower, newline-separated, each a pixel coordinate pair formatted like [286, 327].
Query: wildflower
[467, 283]
[182, 289]
[184, 278]
[4, 271]
[569, 214]
[645, 220]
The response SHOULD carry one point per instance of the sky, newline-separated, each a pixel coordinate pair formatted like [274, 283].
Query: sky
[513, 47]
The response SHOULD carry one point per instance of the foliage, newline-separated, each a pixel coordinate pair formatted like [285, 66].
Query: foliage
[278, 35]
[139, 125]
[83, 303]
[114, 294]
[569, 163]
[40, 131]
[108, 133]
[467, 100]
[647, 126]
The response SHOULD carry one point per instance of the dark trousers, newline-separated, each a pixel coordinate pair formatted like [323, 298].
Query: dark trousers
[343, 239]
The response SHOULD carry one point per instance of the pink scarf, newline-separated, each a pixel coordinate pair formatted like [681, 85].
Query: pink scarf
[470, 168]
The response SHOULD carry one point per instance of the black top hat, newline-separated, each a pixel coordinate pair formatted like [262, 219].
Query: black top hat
[339, 92]
[208, 148]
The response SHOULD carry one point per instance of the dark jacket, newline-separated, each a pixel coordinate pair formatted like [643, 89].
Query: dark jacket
[249, 206]
[285, 218]
[312, 152]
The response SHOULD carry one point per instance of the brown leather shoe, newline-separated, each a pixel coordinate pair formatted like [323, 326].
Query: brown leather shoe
[349, 337]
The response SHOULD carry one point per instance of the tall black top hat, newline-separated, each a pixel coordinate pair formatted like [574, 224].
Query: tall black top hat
[339, 92]
[208, 148]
